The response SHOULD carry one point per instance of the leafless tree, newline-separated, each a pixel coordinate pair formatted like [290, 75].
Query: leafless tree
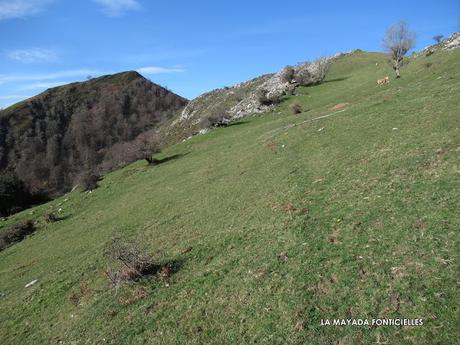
[147, 145]
[398, 40]
[438, 38]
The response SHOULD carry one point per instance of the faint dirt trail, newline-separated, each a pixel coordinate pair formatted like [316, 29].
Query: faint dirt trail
[273, 132]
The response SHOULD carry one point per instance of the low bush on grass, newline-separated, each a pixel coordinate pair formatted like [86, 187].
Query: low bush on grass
[16, 233]
[131, 262]
[265, 98]
[287, 74]
[296, 108]
[50, 217]
[89, 180]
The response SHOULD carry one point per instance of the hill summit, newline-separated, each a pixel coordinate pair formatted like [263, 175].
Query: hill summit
[49, 140]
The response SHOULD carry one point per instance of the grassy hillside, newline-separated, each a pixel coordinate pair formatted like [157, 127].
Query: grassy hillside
[378, 175]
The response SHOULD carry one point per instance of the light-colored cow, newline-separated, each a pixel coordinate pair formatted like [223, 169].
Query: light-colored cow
[385, 80]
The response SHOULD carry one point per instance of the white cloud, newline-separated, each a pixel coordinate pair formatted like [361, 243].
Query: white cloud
[32, 55]
[115, 8]
[158, 70]
[5, 78]
[20, 8]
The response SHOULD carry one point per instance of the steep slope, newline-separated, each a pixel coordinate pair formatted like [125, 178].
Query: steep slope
[274, 223]
[50, 139]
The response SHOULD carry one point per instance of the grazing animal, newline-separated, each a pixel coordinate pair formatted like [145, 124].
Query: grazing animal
[383, 81]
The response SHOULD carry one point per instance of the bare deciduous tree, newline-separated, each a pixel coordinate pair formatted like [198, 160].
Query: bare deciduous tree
[147, 145]
[438, 38]
[398, 40]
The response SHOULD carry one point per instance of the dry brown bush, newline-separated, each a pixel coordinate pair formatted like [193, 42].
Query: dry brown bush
[50, 217]
[131, 261]
[296, 108]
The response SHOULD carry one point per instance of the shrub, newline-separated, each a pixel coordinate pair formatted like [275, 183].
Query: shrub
[50, 217]
[14, 195]
[296, 108]
[303, 76]
[291, 90]
[131, 261]
[312, 73]
[287, 74]
[16, 233]
[218, 120]
[89, 180]
[265, 98]
[321, 67]
[438, 38]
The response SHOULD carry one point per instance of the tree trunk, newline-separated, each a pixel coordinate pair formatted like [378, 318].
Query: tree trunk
[397, 65]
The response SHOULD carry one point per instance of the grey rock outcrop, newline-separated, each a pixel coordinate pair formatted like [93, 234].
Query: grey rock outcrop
[242, 99]
[451, 42]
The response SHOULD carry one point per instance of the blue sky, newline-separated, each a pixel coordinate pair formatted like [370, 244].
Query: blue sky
[192, 46]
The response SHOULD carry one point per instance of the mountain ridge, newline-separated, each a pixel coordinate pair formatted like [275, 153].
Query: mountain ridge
[77, 126]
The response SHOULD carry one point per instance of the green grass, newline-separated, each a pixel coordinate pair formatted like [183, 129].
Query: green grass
[380, 179]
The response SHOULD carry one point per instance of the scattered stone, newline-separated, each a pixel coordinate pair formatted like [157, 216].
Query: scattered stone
[283, 257]
[31, 283]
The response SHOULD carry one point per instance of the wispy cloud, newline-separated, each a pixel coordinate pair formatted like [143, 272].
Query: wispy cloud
[6, 78]
[41, 79]
[35, 86]
[8, 97]
[21, 8]
[32, 55]
[116, 8]
[7, 100]
[159, 70]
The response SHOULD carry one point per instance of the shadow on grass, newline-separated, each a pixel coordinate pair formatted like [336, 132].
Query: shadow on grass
[170, 267]
[167, 159]
[336, 79]
[61, 218]
[163, 269]
[237, 123]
